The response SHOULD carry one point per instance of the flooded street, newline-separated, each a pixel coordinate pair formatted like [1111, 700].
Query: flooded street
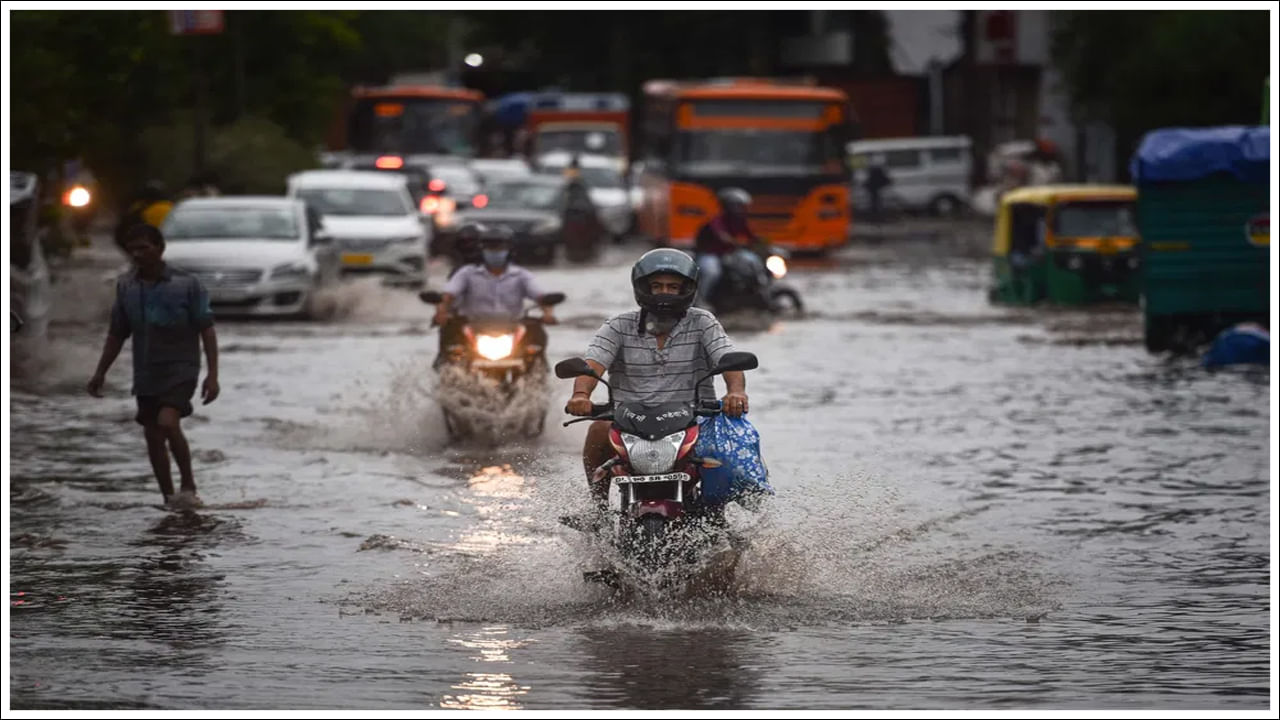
[977, 508]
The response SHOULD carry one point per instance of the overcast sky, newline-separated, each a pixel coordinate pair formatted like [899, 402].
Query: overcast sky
[919, 35]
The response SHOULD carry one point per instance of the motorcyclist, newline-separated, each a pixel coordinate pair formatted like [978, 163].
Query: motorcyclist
[654, 354]
[151, 208]
[466, 246]
[494, 286]
[724, 234]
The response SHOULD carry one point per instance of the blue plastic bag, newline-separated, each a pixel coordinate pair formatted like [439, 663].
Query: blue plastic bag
[736, 444]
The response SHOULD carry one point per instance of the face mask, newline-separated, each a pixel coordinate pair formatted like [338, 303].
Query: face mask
[495, 258]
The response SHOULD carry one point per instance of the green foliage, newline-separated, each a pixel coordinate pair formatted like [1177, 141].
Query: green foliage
[1141, 70]
[252, 155]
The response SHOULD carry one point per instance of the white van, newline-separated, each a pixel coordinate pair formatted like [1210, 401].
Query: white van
[926, 173]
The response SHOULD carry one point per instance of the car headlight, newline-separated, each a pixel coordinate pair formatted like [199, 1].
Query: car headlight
[494, 347]
[651, 457]
[546, 227]
[290, 270]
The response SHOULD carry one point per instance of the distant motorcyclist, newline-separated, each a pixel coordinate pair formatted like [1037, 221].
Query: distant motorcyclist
[724, 234]
[466, 246]
[151, 208]
[494, 286]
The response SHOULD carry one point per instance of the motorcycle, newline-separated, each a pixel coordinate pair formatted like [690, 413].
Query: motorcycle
[662, 527]
[752, 282]
[482, 376]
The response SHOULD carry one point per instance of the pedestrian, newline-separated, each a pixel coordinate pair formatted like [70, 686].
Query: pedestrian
[166, 312]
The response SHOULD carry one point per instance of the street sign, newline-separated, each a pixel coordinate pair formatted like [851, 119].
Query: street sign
[195, 22]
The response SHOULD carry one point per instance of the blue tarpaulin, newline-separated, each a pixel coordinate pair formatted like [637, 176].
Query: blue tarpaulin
[1186, 154]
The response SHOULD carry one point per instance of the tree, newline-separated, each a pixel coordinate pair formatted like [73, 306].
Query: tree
[1142, 70]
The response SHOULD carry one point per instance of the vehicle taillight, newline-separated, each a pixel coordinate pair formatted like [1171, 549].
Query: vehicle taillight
[436, 185]
[430, 204]
[480, 201]
[389, 162]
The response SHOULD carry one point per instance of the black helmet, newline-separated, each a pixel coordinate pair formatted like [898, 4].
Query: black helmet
[664, 260]
[497, 234]
[471, 232]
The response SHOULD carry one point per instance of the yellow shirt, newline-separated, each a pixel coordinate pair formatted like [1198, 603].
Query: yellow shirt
[155, 213]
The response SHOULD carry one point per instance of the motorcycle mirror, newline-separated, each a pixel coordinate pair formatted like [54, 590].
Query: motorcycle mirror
[551, 299]
[573, 367]
[736, 361]
[430, 297]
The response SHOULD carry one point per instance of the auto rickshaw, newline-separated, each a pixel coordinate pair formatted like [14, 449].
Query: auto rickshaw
[1204, 212]
[1067, 245]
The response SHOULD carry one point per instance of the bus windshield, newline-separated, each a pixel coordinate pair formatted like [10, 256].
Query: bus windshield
[414, 125]
[757, 151]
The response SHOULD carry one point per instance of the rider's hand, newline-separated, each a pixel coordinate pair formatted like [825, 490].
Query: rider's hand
[579, 404]
[735, 403]
[548, 318]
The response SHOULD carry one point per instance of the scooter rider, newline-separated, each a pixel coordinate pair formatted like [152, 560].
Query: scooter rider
[722, 235]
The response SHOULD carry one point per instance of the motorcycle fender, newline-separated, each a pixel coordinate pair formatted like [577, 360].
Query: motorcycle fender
[666, 508]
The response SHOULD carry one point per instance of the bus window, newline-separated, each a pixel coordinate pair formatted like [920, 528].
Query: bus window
[414, 125]
[720, 151]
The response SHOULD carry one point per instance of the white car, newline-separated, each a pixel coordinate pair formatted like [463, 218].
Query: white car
[255, 255]
[492, 170]
[376, 226]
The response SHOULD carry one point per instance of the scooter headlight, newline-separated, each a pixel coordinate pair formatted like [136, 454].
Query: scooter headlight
[78, 196]
[494, 347]
[651, 457]
[777, 266]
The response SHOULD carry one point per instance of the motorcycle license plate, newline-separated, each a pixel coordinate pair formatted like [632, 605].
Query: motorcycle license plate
[667, 477]
[357, 259]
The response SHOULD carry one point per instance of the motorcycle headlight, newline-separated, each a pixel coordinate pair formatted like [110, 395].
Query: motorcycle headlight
[651, 457]
[494, 347]
[290, 270]
[78, 196]
[777, 266]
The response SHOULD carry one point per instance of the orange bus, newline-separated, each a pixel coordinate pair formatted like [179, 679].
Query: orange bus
[783, 144]
[410, 120]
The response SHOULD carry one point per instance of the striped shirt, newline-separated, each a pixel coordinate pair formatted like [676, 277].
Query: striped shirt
[479, 292]
[640, 372]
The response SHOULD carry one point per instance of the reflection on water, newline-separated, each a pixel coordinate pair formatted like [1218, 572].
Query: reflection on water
[488, 690]
[671, 665]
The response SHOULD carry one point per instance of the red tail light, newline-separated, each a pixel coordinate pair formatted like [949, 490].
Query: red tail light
[480, 201]
[389, 162]
[436, 185]
[429, 204]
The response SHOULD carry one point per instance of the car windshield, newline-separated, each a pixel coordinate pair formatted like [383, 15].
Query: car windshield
[457, 180]
[753, 151]
[355, 201]
[1095, 219]
[601, 177]
[538, 196]
[231, 223]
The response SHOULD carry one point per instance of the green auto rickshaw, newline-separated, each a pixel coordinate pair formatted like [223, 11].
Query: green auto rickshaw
[1066, 245]
[1204, 214]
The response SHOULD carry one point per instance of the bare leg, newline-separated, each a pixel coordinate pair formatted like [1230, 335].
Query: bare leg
[169, 422]
[159, 457]
[595, 453]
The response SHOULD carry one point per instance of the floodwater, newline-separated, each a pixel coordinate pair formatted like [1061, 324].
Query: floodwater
[977, 508]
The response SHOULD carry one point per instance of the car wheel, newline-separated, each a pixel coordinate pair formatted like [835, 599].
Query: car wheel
[945, 206]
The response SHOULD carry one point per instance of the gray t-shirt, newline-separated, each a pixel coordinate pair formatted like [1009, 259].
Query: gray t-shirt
[640, 372]
[479, 292]
[165, 320]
